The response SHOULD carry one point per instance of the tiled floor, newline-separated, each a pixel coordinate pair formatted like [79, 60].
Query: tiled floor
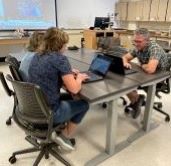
[153, 149]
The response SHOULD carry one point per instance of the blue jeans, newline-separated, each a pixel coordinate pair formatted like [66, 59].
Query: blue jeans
[70, 110]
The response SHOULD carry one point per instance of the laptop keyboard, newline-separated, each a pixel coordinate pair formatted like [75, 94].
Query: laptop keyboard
[91, 75]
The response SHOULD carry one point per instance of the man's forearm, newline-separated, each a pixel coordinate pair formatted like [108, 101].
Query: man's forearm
[147, 69]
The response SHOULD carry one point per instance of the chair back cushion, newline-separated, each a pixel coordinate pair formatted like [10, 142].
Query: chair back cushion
[32, 104]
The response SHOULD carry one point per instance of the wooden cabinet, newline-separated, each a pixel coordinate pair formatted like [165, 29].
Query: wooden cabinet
[146, 10]
[121, 9]
[131, 11]
[168, 16]
[158, 10]
[162, 10]
[135, 11]
[91, 37]
[154, 10]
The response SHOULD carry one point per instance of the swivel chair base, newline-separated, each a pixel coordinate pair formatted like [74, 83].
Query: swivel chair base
[158, 107]
[8, 121]
[45, 150]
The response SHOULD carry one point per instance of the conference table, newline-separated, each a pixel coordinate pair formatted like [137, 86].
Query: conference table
[110, 89]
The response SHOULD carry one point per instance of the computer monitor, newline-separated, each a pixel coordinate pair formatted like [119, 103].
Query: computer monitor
[101, 22]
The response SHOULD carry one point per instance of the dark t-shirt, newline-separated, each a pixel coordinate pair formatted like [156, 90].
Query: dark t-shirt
[46, 71]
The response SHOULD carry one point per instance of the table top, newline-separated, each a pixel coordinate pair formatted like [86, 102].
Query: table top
[113, 84]
[147, 79]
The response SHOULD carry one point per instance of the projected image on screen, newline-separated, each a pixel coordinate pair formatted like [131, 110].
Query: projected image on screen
[32, 11]
[27, 14]
[1, 9]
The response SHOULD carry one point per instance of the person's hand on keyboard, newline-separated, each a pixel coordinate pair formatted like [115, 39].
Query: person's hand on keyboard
[127, 65]
[82, 77]
[75, 71]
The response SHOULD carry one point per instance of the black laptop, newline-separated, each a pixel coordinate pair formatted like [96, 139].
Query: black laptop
[118, 67]
[98, 68]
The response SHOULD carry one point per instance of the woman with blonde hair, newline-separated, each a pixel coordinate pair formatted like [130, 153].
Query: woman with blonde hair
[35, 42]
[51, 70]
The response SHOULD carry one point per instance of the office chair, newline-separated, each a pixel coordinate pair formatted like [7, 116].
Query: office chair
[34, 116]
[14, 69]
[163, 87]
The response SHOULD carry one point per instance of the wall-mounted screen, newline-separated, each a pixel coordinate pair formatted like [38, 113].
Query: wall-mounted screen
[27, 14]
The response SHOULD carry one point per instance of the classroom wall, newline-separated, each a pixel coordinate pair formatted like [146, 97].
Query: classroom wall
[74, 14]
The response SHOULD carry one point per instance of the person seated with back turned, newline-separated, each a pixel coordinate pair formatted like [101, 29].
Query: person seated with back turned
[35, 42]
[50, 69]
[151, 57]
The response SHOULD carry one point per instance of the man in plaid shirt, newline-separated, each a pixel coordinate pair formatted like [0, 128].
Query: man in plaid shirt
[151, 58]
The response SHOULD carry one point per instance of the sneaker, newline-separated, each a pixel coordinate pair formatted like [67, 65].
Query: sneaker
[64, 142]
[137, 106]
[129, 108]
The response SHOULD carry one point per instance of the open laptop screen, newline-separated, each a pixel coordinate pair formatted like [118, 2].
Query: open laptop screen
[100, 64]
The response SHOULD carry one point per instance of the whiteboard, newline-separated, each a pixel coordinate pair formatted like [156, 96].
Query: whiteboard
[78, 14]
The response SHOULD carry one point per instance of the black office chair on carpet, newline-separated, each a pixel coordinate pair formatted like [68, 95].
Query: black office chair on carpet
[14, 65]
[34, 116]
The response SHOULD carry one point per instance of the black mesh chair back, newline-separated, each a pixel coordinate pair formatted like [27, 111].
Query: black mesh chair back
[32, 105]
[14, 65]
[163, 87]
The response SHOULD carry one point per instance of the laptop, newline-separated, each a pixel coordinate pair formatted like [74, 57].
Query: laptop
[118, 67]
[98, 68]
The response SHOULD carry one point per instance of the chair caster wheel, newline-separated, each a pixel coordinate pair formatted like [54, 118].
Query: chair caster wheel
[8, 122]
[167, 119]
[104, 105]
[46, 156]
[159, 105]
[12, 159]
